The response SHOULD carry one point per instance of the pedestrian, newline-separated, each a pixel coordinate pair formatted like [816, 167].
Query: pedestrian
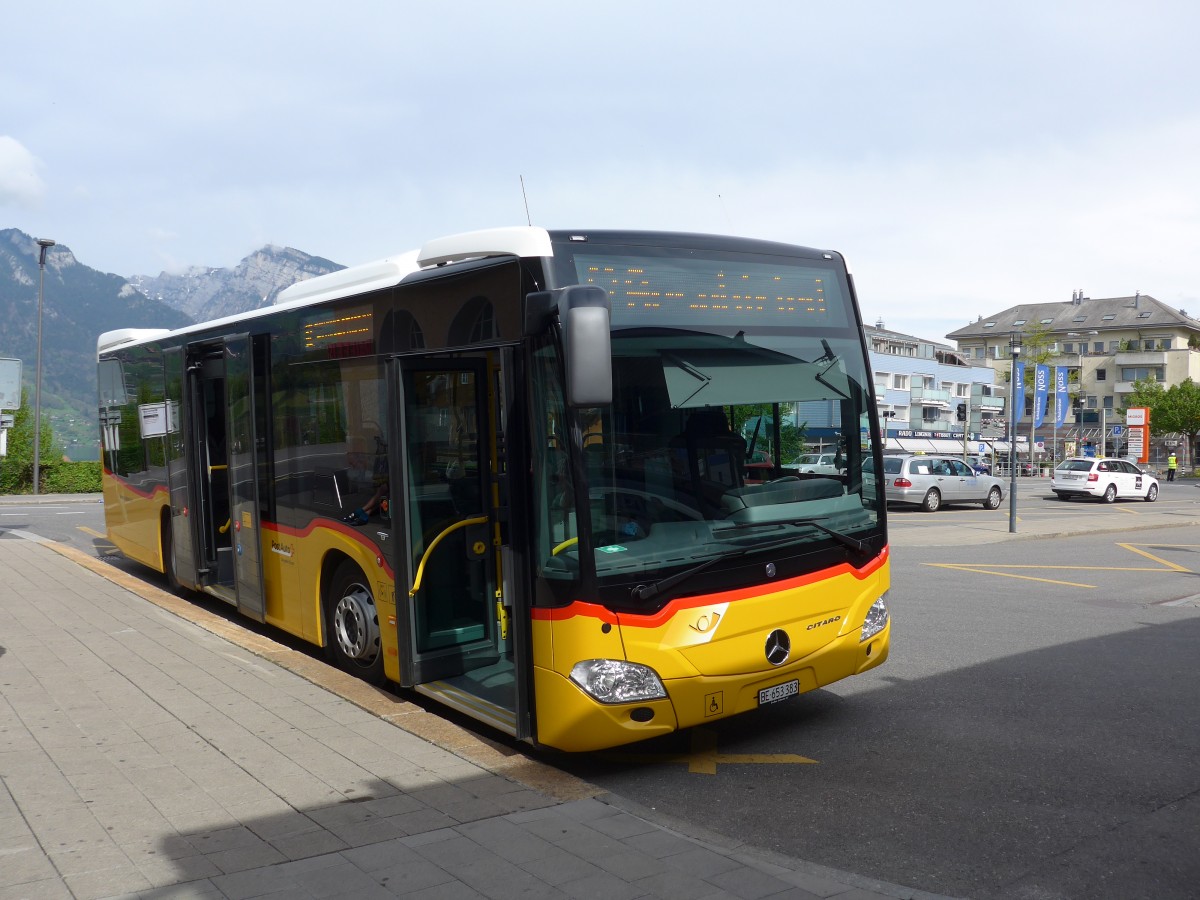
[1172, 465]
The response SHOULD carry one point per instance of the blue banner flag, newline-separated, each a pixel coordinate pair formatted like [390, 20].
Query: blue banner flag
[1041, 390]
[1016, 390]
[1061, 401]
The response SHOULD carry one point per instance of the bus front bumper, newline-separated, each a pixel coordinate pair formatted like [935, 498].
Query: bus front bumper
[570, 720]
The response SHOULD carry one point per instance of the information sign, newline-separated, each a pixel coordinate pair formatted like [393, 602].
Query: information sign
[10, 384]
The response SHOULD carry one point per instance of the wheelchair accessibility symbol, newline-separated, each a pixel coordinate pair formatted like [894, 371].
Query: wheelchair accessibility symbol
[714, 704]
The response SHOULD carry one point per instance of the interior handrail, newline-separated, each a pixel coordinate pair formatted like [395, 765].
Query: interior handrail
[478, 520]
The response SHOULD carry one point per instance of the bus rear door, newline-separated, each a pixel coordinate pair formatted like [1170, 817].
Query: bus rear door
[213, 473]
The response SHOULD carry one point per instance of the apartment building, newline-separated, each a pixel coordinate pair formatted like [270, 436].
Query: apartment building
[1108, 344]
[919, 388]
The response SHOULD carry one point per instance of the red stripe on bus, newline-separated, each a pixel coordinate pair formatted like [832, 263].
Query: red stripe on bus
[664, 615]
[340, 528]
[158, 489]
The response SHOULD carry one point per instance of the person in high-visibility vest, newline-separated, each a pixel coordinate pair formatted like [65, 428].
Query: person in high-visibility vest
[1172, 465]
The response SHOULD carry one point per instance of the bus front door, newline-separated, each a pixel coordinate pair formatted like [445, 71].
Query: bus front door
[453, 627]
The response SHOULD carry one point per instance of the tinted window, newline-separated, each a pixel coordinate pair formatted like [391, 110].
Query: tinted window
[892, 465]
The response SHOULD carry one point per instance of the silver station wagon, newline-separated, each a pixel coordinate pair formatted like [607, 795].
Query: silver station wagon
[930, 482]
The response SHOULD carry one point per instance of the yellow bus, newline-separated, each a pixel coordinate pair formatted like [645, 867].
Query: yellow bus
[511, 471]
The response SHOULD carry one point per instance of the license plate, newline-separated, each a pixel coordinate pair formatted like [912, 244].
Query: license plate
[778, 692]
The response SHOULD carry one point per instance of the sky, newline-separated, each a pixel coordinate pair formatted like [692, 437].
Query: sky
[964, 157]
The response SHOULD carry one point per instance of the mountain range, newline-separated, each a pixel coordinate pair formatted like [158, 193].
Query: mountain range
[79, 303]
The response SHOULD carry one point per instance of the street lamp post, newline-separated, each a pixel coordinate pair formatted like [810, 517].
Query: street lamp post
[44, 244]
[1014, 346]
[1082, 350]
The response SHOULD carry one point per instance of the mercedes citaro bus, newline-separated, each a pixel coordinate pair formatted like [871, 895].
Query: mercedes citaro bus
[509, 471]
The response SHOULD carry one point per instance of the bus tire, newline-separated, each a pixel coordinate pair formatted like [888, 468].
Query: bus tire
[352, 624]
[168, 555]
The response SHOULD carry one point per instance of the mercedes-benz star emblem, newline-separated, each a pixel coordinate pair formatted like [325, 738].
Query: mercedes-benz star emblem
[779, 647]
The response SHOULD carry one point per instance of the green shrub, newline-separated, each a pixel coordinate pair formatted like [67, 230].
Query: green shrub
[71, 478]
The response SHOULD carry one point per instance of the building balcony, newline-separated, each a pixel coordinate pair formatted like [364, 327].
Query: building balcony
[929, 397]
[1127, 387]
[1141, 357]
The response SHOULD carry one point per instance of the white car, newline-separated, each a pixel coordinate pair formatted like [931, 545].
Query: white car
[819, 464]
[1103, 478]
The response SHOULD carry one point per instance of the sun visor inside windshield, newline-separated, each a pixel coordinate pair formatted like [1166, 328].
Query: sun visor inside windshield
[721, 378]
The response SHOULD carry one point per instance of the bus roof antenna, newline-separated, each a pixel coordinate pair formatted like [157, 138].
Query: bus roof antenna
[525, 197]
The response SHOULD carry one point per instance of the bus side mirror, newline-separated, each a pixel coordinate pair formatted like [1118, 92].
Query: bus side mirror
[587, 345]
[583, 312]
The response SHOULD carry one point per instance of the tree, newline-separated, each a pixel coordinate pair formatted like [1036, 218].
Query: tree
[1173, 410]
[16, 469]
[792, 437]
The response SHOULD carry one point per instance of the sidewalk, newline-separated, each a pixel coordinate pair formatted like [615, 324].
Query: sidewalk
[149, 748]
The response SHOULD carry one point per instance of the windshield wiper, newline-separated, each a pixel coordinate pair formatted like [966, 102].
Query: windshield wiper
[647, 591]
[852, 542]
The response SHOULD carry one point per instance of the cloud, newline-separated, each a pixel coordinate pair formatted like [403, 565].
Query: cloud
[20, 184]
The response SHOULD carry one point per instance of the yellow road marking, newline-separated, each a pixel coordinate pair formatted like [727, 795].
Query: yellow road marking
[703, 757]
[1008, 570]
[92, 531]
[1169, 565]
[980, 570]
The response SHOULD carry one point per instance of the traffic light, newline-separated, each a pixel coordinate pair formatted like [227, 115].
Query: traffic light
[962, 412]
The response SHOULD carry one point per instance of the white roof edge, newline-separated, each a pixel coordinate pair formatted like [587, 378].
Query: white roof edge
[521, 240]
[517, 240]
[354, 280]
[110, 340]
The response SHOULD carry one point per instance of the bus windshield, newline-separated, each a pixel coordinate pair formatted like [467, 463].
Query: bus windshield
[725, 373]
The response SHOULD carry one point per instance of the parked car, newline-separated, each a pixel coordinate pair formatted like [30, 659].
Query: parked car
[819, 463]
[1103, 478]
[759, 466]
[981, 464]
[933, 481]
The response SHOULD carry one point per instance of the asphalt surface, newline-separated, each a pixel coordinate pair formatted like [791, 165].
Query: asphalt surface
[100, 736]
[150, 747]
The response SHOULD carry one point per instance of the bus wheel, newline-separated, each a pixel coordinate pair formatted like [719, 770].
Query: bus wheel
[168, 554]
[353, 624]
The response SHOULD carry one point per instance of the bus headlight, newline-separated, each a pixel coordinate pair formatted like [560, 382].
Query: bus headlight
[617, 681]
[877, 617]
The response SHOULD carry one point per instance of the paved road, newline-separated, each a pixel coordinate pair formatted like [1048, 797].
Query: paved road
[151, 749]
[1033, 735]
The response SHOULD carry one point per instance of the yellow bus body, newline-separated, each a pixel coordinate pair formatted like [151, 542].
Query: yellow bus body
[293, 563]
[708, 651]
[134, 520]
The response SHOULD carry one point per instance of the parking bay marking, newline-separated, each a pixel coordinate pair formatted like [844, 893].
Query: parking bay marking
[703, 757]
[989, 569]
